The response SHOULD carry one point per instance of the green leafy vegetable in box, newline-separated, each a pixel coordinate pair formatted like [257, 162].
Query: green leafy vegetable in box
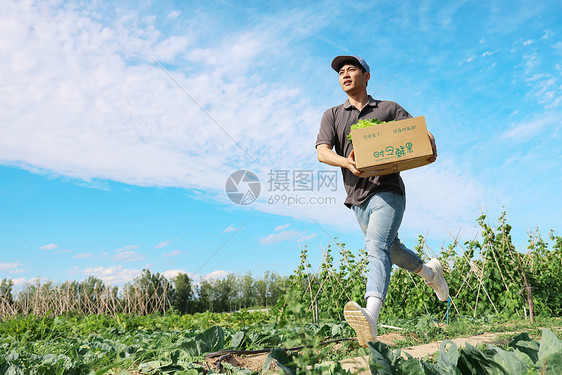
[364, 123]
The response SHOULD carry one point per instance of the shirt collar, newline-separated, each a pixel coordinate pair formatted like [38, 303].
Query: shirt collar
[372, 102]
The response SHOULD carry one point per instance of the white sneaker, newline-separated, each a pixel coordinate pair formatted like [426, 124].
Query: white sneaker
[438, 282]
[362, 322]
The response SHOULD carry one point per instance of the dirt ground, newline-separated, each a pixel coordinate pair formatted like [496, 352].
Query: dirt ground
[253, 362]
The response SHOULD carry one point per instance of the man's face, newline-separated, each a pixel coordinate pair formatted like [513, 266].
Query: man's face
[352, 79]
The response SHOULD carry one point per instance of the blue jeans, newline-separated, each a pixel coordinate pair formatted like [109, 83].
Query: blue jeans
[379, 218]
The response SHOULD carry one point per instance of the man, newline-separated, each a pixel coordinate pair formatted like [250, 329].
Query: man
[378, 202]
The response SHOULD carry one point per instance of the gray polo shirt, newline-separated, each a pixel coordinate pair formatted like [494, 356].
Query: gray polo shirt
[336, 124]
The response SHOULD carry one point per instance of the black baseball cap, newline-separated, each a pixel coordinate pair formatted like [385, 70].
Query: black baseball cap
[337, 62]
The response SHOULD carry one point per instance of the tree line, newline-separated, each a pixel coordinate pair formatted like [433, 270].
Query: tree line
[147, 294]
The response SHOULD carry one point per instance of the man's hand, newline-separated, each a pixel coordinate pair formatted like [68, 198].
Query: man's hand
[433, 147]
[328, 156]
[350, 164]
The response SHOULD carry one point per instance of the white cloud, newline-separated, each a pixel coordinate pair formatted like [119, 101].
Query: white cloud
[115, 275]
[442, 197]
[129, 257]
[101, 109]
[527, 42]
[20, 281]
[281, 227]
[307, 237]
[128, 247]
[287, 235]
[531, 61]
[173, 253]
[196, 279]
[547, 34]
[9, 266]
[542, 82]
[50, 246]
[230, 228]
[525, 130]
[537, 76]
[163, 244]
[169, 48]
[169, 274]
[215, 275]
[174, 14]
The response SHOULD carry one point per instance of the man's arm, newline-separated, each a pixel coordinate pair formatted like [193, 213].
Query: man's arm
[328, 156]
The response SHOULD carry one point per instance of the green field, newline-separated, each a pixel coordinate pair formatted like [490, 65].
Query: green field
[178, 344]
[151, 325]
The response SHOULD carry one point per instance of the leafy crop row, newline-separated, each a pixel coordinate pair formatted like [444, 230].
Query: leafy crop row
[151, 344]
[175, 344]
[524, 356]
[485, 276]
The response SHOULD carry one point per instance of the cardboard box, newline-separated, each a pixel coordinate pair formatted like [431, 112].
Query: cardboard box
[391, 147]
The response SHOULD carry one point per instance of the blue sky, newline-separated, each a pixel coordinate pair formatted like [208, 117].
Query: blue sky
[120, 124]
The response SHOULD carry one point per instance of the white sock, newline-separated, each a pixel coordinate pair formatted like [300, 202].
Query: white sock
[374, 306]
[426, 273]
